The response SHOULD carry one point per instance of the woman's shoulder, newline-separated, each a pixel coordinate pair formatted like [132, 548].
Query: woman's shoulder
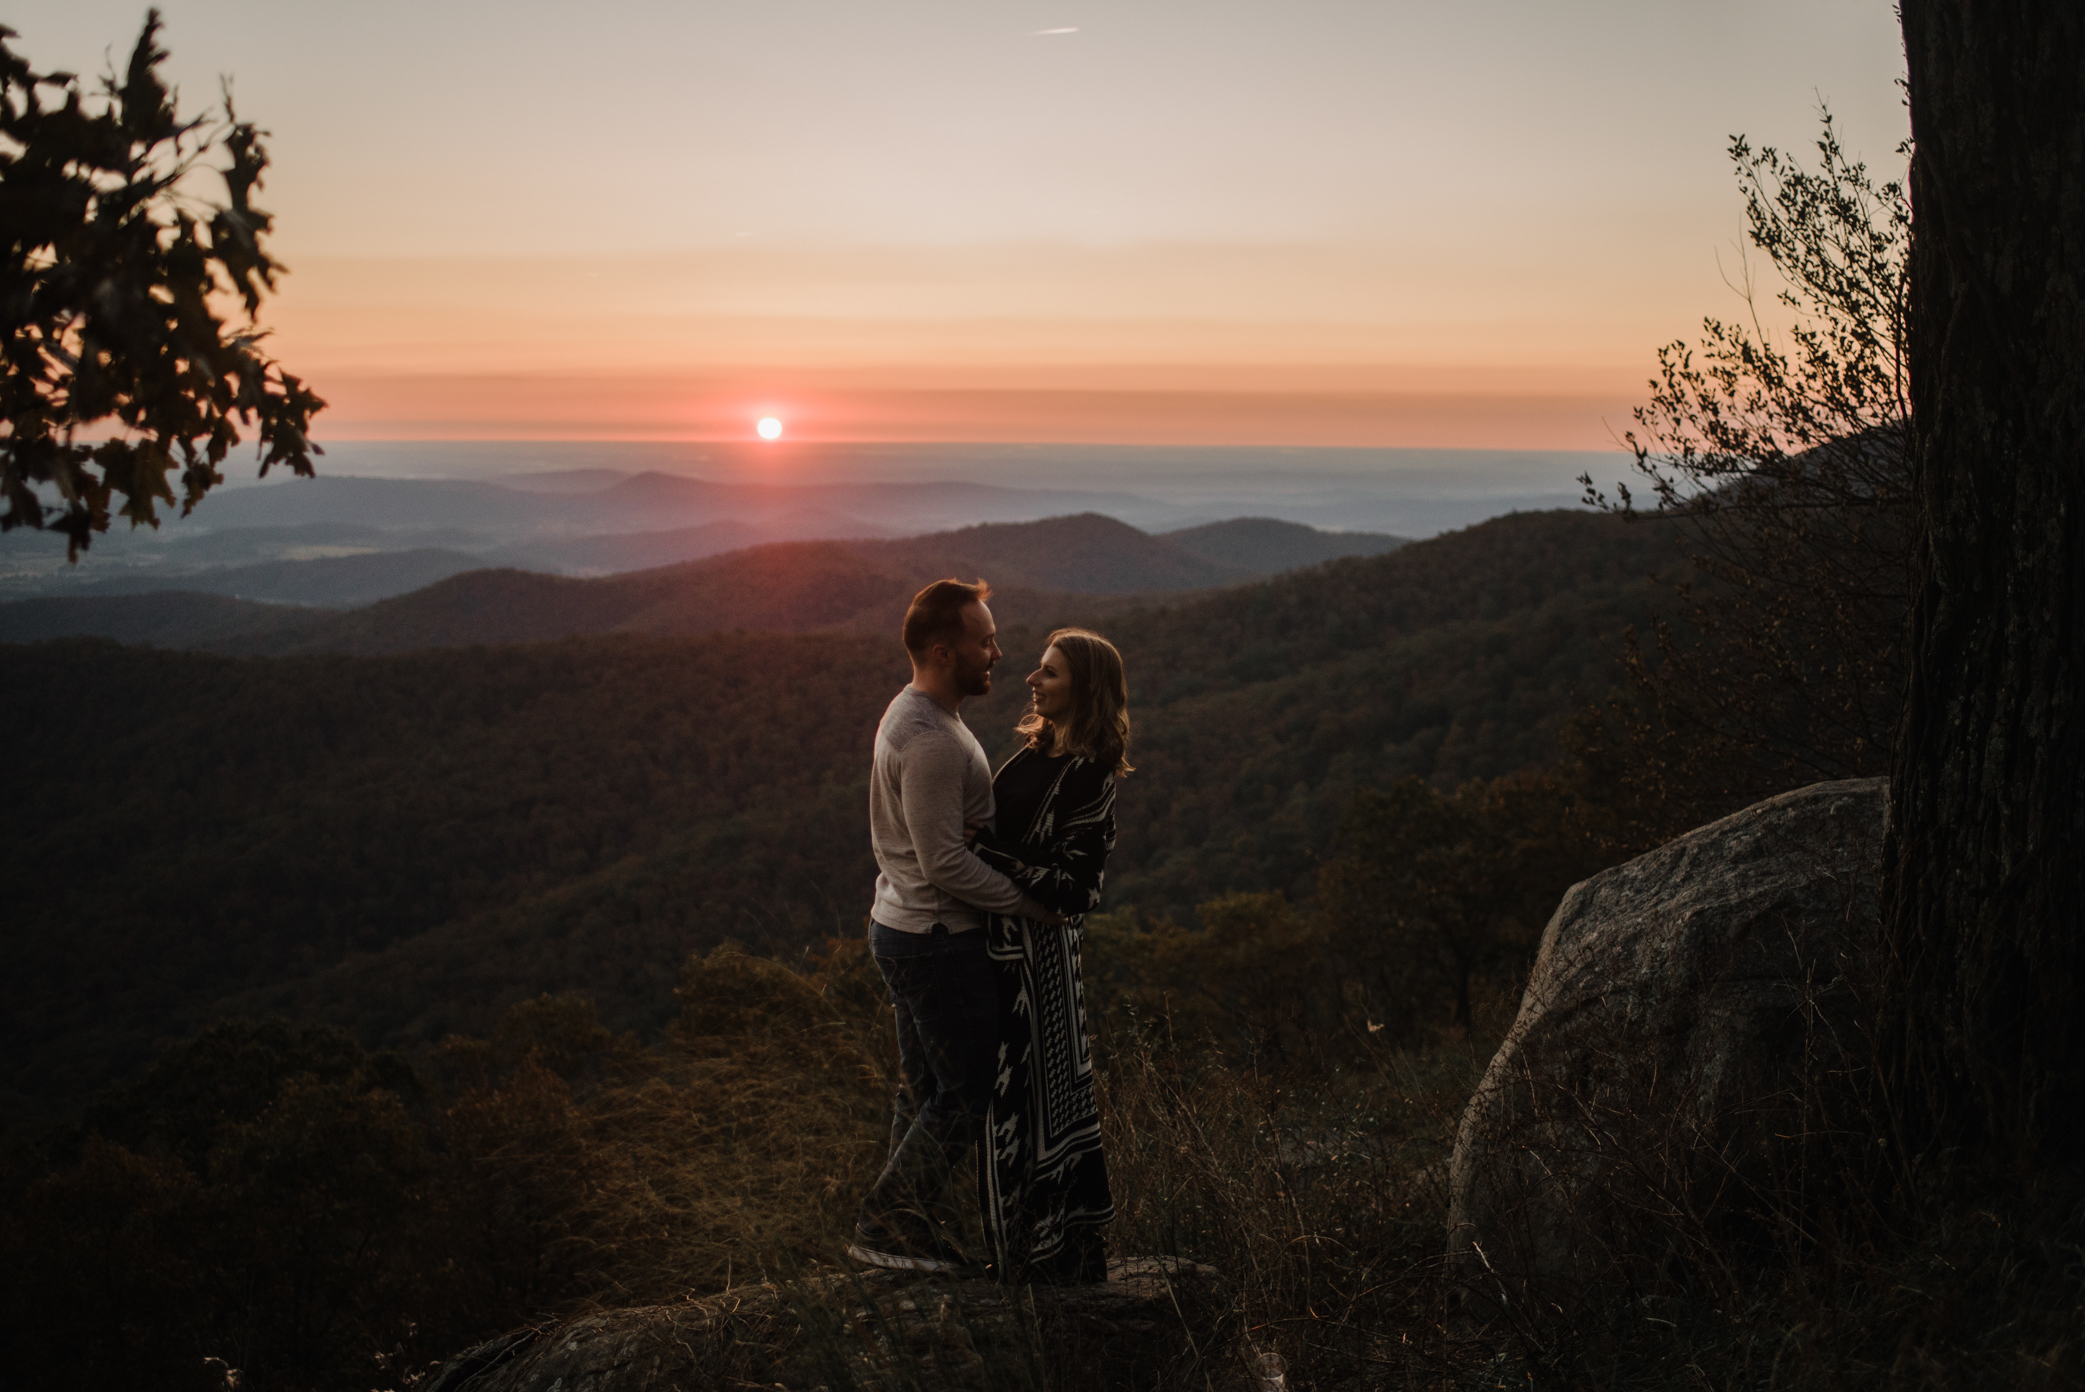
[1087, 772]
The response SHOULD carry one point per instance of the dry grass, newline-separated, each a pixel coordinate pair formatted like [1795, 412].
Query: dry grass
[1321, 1199]
[561, 1169]
[736, 1150]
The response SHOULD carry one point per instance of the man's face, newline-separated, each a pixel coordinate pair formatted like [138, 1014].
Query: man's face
[977, 650]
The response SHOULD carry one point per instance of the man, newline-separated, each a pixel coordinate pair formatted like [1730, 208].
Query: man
[930, 781]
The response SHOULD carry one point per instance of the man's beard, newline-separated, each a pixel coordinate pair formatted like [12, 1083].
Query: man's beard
[973, 681]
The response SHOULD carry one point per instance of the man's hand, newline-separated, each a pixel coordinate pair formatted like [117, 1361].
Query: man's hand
[970, 831]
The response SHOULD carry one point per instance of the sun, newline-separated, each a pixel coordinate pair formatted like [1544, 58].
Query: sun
[770, 428]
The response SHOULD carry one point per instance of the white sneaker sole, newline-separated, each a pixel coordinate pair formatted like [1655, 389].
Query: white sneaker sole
[893, 1261]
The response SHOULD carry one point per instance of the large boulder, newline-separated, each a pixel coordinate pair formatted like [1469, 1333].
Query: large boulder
[1691, 1027]
[1154, 1322]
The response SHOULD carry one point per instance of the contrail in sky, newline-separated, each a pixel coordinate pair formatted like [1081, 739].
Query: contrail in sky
[1038, 33]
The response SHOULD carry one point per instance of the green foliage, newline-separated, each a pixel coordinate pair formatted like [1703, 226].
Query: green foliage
[109, 275]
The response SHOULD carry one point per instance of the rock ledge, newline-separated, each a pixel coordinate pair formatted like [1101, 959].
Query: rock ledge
[1151, 1324]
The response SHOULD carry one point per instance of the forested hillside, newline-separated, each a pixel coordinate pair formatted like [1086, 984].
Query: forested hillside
[185, 828]
[167, 619]
[406, 844]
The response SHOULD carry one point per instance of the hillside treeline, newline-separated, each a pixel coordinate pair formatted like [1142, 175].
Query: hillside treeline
[404, 845]
[185, 829]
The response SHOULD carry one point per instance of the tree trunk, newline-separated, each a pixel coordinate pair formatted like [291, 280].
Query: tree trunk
[1987, 860]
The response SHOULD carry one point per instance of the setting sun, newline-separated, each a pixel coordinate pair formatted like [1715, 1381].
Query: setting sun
[770, 428]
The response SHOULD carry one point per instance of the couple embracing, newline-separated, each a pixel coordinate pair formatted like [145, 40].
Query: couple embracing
[985, 881]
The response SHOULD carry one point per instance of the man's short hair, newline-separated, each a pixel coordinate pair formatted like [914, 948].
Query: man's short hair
[936, 613]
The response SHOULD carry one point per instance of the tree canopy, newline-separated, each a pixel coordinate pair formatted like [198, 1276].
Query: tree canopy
[118, 364]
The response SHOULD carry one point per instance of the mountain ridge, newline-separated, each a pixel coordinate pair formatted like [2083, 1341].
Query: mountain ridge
[855, 584]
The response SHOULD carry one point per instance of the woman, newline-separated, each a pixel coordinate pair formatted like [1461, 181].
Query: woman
[1042, 1182]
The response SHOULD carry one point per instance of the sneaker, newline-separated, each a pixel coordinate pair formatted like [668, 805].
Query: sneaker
[912, 1249]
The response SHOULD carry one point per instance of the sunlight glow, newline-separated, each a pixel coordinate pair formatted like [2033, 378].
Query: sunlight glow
[769, 428]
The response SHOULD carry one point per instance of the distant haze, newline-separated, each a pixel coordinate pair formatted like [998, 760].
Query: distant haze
[384, 518]
[1408, 492]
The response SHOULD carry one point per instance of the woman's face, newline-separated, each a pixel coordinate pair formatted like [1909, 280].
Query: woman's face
[1051, 684]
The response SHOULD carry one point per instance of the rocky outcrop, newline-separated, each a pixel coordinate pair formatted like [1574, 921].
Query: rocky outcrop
[1151, 1324]
[1690, 1028]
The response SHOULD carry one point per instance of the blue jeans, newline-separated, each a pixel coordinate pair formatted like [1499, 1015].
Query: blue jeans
[946, 995]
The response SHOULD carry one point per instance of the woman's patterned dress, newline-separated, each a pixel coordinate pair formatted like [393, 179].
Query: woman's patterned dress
[1043, 1183]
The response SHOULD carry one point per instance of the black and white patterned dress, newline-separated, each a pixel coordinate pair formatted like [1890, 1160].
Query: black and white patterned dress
[1043, 1183]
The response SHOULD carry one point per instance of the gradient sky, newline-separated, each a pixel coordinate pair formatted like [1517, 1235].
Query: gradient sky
[1363, 222]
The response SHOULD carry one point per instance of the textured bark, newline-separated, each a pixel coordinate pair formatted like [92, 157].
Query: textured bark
[1987, 862]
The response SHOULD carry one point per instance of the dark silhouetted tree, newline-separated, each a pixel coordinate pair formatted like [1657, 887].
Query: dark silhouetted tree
[117, 365]
[1985, 910]
[1786, 458]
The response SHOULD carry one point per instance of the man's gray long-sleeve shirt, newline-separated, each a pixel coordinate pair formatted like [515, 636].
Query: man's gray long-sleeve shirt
[930, 777]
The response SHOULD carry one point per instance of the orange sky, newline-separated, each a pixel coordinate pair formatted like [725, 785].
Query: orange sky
[1356, 222]
[1328, 345]
[572, 406]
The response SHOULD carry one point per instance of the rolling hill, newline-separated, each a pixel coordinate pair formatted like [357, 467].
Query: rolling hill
[162, 619]
[639, 502]
[609, 553]
[438, 597]
[789, 587]
[322, 581]
[1268, 546]
[404, 844]
[586, 521]
[780, 587]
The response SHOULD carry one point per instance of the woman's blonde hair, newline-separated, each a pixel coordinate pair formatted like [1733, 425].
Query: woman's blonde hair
[1099, 724]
